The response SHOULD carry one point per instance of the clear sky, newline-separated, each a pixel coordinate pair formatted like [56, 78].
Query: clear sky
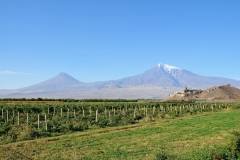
[97, 40]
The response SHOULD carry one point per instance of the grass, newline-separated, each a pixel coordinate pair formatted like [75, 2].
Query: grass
[190, 137]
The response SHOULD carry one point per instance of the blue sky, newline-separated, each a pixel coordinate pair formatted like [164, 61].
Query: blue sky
[110, 39]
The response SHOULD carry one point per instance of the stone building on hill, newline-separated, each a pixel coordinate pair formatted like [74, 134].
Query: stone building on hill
[186, 92]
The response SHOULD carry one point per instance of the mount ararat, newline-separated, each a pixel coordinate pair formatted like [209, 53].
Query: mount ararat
[155, 83]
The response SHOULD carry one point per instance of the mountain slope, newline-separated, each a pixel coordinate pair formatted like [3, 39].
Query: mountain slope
[61, 82]
[219, 93]
[159, 76]
[164, 75]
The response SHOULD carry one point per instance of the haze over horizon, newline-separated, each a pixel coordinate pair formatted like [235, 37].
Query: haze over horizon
[108, 40]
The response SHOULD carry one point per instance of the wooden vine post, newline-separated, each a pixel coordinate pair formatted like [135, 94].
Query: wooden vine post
[68, 114]
[38, 120]
[154, 109]
[146, 113]
[18, 119]
[74, 112]
[27, 118]
[90, 110]
[96, 115]
[7, 115]
[13, 116]
[46, 122]
[134, 113]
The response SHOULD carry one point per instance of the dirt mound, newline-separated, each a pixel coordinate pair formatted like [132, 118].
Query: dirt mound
[221, 92]
[225, 92]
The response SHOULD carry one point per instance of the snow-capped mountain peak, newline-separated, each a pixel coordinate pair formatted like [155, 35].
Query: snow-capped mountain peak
[167, 68]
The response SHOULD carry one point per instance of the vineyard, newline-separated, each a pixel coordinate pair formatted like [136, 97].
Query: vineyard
[25, 121]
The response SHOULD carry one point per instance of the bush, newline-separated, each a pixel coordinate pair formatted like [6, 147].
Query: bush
[103, 122]
[163, 155]
[232, 152]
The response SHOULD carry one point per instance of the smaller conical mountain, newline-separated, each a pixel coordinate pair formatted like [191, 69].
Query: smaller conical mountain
[60, 82]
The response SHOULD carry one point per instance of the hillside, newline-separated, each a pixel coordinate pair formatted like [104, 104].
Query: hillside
[216, 93]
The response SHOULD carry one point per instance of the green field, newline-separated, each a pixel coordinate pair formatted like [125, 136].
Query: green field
[187, 137]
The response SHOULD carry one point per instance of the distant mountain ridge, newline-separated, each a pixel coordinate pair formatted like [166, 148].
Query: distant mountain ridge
[157, 82]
